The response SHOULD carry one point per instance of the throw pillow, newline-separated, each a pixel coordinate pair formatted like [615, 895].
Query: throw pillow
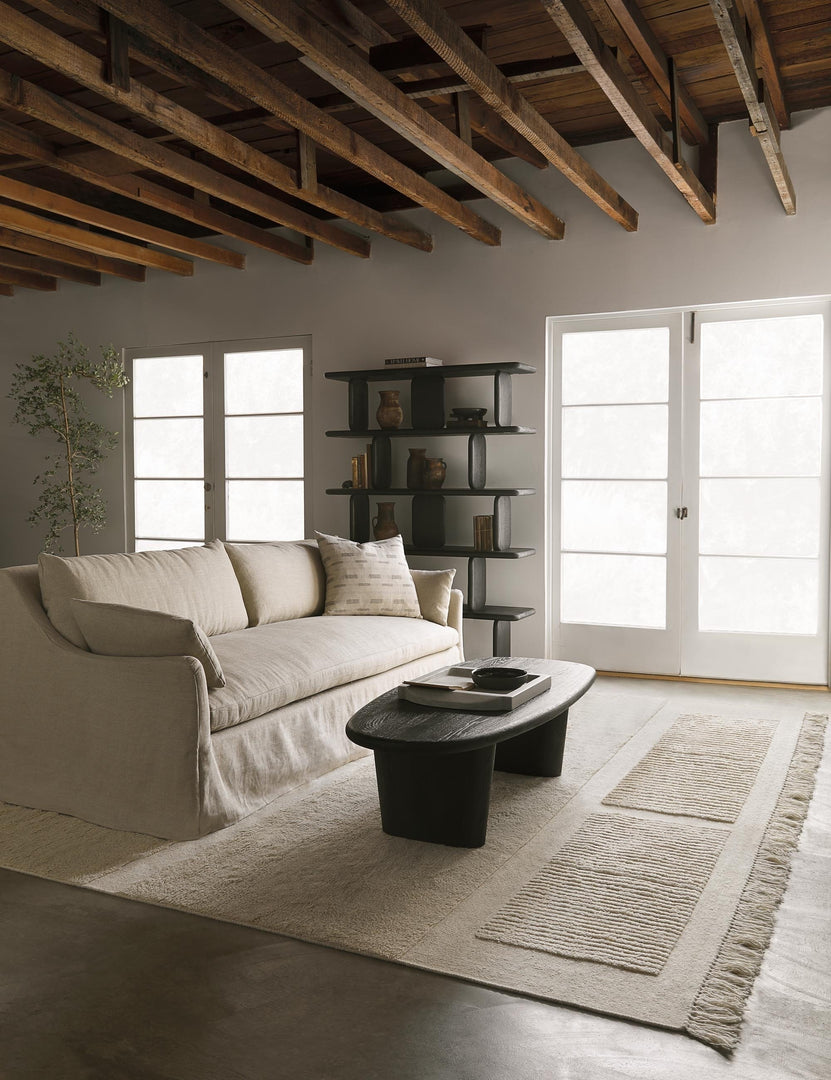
[118, 630]
[367, 579]
[433, 588]
[279, 581]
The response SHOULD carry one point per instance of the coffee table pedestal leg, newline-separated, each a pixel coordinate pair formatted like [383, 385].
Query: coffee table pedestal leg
[440, 798]
[539, 752]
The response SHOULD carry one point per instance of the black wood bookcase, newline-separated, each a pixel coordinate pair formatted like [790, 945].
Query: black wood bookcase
[427, 411]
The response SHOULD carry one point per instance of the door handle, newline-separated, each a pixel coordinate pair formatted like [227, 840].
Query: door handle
[681, 512]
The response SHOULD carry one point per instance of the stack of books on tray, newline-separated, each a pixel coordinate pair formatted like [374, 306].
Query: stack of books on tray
[453, 688]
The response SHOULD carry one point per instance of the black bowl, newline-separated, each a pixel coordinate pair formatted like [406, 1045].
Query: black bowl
[499, 678]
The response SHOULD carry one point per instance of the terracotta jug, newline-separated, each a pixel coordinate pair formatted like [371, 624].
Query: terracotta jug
[389, 414]
[435, 470]
[383, 526]
[415, 468]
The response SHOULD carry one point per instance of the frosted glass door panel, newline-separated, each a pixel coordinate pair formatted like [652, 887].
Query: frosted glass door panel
[165, 507]
[615, 516]
[762, 437]
[168, 448]
[611, 441]
[265, 510]
[760, 517]
[611, 366]
[167, 385]
[613, 590]
[265, 381]
[758, 596]
[752, 358]
[266, 446]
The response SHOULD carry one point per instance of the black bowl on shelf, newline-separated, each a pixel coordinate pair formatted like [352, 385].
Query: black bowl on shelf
[499, 678]
[466, 414]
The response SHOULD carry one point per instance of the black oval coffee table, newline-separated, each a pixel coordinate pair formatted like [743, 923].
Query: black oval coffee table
[434, 766]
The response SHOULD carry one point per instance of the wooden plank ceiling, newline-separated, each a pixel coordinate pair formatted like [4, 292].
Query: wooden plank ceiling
[132, 131]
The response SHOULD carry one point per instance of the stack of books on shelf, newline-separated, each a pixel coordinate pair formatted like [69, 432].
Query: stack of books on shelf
[362, 468]
[412, 361]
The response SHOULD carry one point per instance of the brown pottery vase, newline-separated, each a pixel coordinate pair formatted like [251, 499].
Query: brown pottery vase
[383, 526]
[415, 467]
[389, 414]
[435, 470]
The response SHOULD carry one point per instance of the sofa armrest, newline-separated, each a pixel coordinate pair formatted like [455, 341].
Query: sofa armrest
[455, 618]
[116, 740]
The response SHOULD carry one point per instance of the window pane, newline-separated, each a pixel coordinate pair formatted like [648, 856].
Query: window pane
[264, 381]
[168, 448]
[775, 437]
[760, 517]
[606, 366]
[758, 596]
[264, 446]
[614, 590]
[167, 385]
[165, 545]
[265, 510]
[604, 515]
[762, 357]
[628, 441]
[170, 506]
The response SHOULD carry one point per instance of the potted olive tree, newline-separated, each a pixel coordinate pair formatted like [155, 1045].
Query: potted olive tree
[47, 393]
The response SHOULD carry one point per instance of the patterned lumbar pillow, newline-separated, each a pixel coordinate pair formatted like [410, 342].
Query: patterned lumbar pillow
[119, 630]
[367, 579]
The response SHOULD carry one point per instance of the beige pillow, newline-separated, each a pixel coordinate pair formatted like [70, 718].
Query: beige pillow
[196, 583]
[118, 630]
[433, 588]
[279, 581]
[367, 579]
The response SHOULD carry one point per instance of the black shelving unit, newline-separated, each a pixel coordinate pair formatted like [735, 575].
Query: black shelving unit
[427, 411]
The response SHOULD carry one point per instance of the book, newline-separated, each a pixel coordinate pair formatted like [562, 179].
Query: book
[453, 688]
[413, 361]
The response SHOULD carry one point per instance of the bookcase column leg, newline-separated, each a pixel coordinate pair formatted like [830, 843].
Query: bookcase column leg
[502, 399]
[501, 638]
[358, 405]
[381, 462]
[477, 585]
[427, 402]
[476, 461]
[428, 521]
[359, 517]
[501, 522]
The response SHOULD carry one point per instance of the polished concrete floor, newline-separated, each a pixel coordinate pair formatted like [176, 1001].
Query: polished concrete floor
[94, 987]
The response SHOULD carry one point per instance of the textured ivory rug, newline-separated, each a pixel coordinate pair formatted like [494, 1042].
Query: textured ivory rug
[623, 887]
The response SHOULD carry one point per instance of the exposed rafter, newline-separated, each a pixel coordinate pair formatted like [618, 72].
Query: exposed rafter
[597, 58]
[199, 48]
[448, 39]
[20, 261]
[27, 279]
[347, 69]
[766, 59]
[69, 59]
[102, 264]
[763, 122]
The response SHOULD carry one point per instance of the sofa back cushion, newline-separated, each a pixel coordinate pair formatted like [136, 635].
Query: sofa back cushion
[196, 583]
[279, 581]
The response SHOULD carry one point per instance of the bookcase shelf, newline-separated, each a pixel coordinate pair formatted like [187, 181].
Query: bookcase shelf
[428, 419]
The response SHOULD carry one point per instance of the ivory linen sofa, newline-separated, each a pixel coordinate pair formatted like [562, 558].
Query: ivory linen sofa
[143, 742]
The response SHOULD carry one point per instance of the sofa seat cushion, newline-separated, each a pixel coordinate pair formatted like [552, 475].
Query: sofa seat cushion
[272, 665]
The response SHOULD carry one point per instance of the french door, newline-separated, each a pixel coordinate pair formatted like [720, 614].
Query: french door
[691, 492]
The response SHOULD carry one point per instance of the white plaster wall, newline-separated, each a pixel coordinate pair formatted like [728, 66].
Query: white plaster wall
[464, 303]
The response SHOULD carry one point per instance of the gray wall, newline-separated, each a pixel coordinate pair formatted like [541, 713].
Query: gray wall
[464, 303]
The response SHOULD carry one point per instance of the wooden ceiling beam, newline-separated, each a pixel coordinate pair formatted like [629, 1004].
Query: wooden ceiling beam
[352, 74]
[766, 59]
[447, 38]
[574, 23]
[155, 195]
[41, 199]
[21, 261]
[763, 123]
[6, 290]
[35, 41]
[34, 245]
[487, 123]
[11, 217]
[27, 279]
[244, 77]
[646, 45]
[412, 52]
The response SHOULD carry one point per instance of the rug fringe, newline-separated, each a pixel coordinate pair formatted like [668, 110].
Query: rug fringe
[716, 1015]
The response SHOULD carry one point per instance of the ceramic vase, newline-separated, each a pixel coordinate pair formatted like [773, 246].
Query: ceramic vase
[383, 526]
[435, 471]
[415, 468]
[389, 414]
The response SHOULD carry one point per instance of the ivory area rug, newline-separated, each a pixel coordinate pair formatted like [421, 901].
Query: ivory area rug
[624, 887]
